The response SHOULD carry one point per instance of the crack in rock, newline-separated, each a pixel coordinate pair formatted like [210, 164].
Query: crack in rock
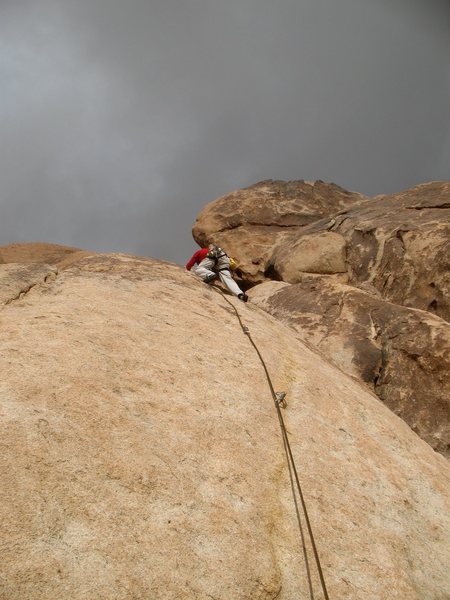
[27, 289]
[443, 205]
[257, 224]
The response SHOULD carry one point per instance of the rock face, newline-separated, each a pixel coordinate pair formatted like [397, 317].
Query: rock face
[398, 244]
[357, 275]
[141, 455]
[250, 222]
[17, 279]
[403, 354]
[323, 253]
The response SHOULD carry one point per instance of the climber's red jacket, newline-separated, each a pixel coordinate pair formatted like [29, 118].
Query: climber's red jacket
[197, 258]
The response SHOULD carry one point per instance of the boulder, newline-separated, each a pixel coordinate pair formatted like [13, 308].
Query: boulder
[141, 454]
[249, 223]
[402, 354]
[323, 253]
[399, 244]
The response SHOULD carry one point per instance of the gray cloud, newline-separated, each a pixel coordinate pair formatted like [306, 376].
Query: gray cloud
[119, 121]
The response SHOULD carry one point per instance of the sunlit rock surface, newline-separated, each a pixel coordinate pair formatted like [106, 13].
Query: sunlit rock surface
[141, 455]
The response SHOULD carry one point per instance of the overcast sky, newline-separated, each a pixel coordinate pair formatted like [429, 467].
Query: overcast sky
[121, 119]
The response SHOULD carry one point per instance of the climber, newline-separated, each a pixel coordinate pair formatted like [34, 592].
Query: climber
[197, 258]
[212, 262]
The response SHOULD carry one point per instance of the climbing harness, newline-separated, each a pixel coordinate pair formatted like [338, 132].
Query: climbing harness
[279, 399]
[216, 253]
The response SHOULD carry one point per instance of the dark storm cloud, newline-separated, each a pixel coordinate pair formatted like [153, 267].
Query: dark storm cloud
[119, 121]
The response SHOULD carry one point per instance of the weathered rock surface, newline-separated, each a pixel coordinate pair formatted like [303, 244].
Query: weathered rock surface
[29, 264]
[17, 279]
[399, 244]
[402, 353]
[141, 455]
[249, 223]
[323, 253]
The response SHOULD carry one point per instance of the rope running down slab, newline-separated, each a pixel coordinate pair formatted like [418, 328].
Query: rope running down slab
[291, 464]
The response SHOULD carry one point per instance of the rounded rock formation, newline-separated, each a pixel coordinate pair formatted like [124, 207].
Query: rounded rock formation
[250, 223]
[141, 454]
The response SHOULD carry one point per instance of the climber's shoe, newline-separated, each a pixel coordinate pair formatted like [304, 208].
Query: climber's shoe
[243, 297]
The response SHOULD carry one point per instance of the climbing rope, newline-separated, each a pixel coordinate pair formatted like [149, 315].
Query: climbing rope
[280, 402]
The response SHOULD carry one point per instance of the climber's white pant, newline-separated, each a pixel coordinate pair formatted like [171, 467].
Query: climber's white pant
[227, 279]
[208, 267]
[204, 268]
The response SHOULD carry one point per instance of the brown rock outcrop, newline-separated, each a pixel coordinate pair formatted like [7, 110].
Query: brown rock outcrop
[402, 353]
[141, 455]
[249, 223]
[323, 253]
[399, 244]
